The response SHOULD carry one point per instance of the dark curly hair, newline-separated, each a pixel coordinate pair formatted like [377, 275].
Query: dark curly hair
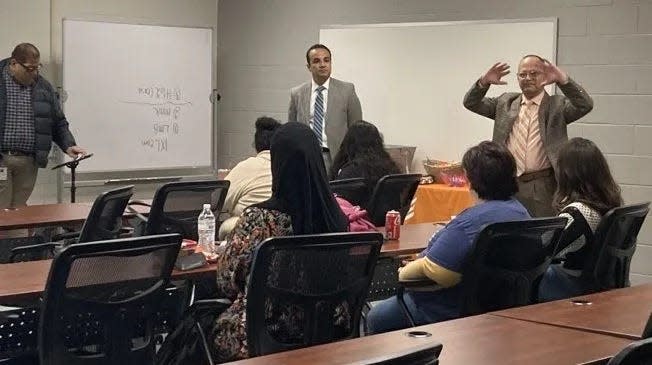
[491, 171]
[583, 175]
[362, 148]
[265, 129]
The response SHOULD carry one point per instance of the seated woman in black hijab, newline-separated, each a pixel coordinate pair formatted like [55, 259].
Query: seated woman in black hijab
[301, 203]
[362, 154]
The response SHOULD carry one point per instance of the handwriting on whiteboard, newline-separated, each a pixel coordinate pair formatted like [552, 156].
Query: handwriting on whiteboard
[166, 105]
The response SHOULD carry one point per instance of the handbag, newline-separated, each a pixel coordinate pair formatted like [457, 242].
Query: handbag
[357, 217]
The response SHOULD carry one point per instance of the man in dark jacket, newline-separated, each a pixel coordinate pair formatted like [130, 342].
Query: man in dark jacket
[30, 119]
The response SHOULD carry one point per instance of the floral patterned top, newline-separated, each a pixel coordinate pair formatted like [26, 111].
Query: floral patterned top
[255, 225]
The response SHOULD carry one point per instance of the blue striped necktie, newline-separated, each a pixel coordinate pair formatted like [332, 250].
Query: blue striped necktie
[318, 118]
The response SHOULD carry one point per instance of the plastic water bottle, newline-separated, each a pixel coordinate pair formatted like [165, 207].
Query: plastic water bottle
[206, 229]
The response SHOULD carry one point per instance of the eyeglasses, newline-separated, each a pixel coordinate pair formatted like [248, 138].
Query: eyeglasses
[532, 74]
[30, 68]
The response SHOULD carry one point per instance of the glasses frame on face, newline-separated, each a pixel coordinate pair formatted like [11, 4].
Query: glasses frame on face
[31, 68]
[531, 74]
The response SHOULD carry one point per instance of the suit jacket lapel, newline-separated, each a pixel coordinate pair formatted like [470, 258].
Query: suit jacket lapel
[333, 94]
[543, 116]
[511, 116]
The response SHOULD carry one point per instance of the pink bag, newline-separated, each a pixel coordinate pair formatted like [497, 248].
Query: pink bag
[358, 218]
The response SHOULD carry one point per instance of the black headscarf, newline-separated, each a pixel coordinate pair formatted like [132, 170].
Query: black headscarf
[299, 184]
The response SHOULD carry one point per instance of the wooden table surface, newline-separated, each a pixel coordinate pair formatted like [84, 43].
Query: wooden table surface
[47, 215]
[25, 280]
[483, 339]
[414, 238]
[44, 215]
[618, 312]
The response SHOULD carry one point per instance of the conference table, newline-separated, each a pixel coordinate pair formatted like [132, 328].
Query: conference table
[438, 202]
[50, 215]
[619, 312]
[483, 339]
[25, 280]
[61, 214]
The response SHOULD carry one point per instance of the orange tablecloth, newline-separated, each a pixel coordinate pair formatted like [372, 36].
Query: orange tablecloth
[437, 202]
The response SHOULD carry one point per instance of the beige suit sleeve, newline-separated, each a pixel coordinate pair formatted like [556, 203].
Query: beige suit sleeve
[354, 109]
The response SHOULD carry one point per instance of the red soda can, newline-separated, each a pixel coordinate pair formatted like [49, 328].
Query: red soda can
[392, 225]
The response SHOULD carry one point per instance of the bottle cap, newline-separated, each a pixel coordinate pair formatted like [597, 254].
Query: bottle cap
[207, 206]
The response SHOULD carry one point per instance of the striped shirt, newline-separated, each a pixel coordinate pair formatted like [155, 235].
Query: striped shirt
[19, 134]
[535, 155]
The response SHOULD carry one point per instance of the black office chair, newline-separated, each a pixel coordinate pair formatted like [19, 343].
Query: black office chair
[101, 301]
[636, 353]
[177, 205]
[505, 266]
[18, 342]
[104, 222]
[424, 354]
[392, 192]
[354, 190]
[316, 274]
[614, 244]
[385, 280]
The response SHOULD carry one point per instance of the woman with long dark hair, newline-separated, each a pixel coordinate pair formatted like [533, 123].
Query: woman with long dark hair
[586, 191]
[362, 154]
[301, 203]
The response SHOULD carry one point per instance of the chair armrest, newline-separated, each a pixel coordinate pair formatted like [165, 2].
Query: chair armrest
[420, 285]
[40, 248]
[215, 306]
[139, 202]
[133, 211]
[66, 236]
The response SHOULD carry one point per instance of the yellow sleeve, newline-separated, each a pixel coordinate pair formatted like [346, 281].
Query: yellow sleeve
[425, 269]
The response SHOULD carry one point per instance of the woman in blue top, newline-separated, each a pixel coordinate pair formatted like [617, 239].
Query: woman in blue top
[491, 172]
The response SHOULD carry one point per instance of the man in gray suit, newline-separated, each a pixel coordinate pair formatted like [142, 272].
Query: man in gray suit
[327, 105]
[532, 124]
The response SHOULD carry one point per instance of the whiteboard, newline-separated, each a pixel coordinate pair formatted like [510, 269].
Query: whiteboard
[411, 77]
[138, 95]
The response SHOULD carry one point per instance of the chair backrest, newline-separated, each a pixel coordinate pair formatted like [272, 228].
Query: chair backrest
[354, 190]
[104, 220]
[424, 354]
[18, 334]
[506, 265]
[385, 280]
[392, 192]
[307, 290]
[613, 247]
[177, 205]
[101, 301]
[636, 353]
